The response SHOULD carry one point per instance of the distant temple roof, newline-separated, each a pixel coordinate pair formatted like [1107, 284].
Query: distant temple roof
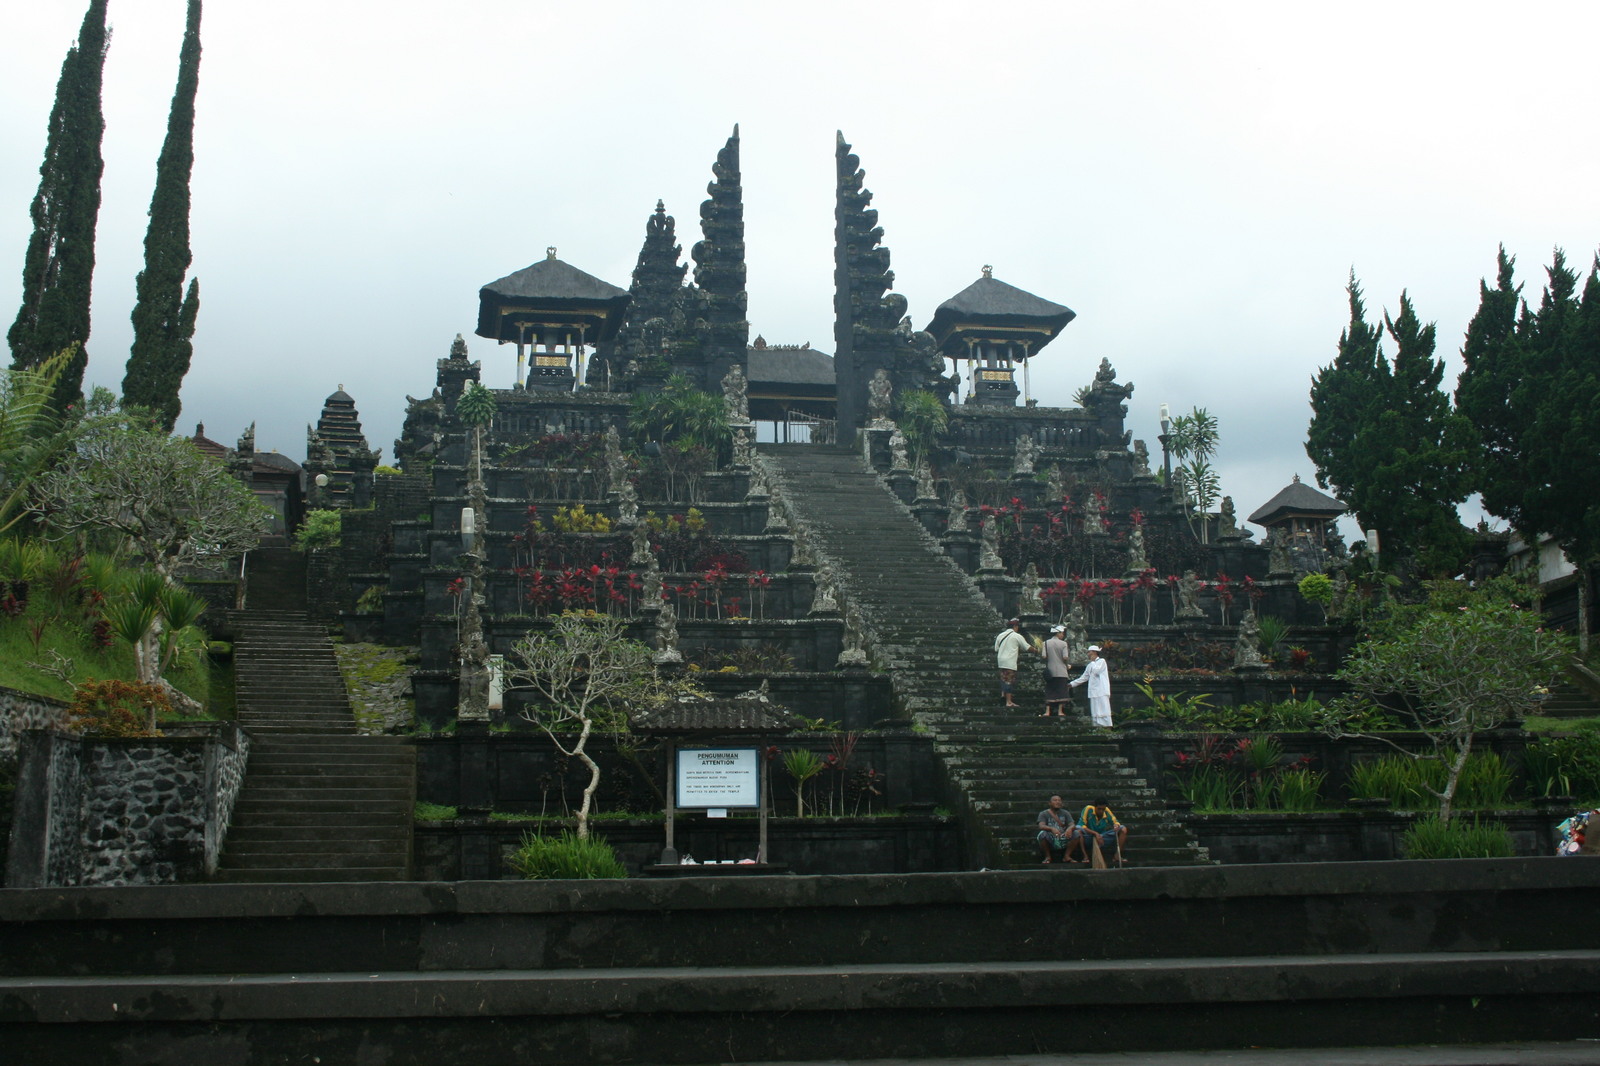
[550, 293]
[206, 445]
[993, 303]
[1297, 498]
[789, 364]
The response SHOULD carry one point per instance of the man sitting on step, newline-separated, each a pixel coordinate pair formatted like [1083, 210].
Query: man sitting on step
[1058, 836]
[1098, 821]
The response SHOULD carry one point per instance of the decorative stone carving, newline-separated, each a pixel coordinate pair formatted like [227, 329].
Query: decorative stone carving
[1278, 559]
[627, 504]
[925, 489]
[958, 511]
[1141, 459]
[855, 640]
[735, 396]
[667, 636]
[777, 517]
[247, 440]
[758, 489]
[824, 597]
[1247, 648]
[989, 548]
[1056, 484]
[1228, 521]
[1094, 519]
[1077, 628]
[880, 399]
[1026, 454]
[1189, 596]
[1341, 596]
[641, 555]
[616, 465]
[802, 554]
[897, 452]
[743, 448]
[1137, 559]
[1030, 602]
[652, 585]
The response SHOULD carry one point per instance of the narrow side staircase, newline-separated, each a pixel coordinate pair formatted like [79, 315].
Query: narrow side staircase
[319, 803]
[935, 631]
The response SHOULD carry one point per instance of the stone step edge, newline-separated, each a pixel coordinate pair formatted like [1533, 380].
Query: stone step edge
[776, 989]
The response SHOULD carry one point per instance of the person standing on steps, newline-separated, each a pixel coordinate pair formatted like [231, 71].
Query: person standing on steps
[1098, 678]
[1057, 672]
[1008, 644]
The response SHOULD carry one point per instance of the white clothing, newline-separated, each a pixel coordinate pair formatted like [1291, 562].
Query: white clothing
[1007, 645]
[1098, 678]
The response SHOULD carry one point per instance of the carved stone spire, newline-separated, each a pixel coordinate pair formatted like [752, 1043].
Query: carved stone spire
[720, 300]
[656, 294]
[870, 327]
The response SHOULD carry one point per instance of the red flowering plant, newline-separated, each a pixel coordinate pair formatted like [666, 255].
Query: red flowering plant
[1146, 585]
[758, 583]
[1223, 587]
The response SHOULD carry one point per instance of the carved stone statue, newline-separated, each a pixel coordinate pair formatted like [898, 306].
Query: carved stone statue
[880, 399]
[989, 548]
[1278, 560]
[247, 440]
[802, 554]
[652, 585]
[1027, 452]
[897, 451]
[925, 489]
[824, 597]
[777, 518]
[958, 511]
[667, 635]
[641, 554]
[855, 640]
[1341, 595]
[1228, 521]
[1077, 628]
[627, 504]
[1247, 648]
[1094, 519]
[1137, 559]
[735, 396]
[1030, 601]
[1104, 390]
[743, 450]
[1189, 596]
[1056, 484]
[758, 487]
[616, 465]
[1141, 459]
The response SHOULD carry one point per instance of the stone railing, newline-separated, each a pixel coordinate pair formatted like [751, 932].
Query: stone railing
[123, 811]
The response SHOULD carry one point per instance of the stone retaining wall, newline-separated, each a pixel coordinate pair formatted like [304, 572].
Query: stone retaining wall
[123, 811]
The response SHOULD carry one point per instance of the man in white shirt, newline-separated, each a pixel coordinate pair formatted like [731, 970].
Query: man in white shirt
[1098, 678]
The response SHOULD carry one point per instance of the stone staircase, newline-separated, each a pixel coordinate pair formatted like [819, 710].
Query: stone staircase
[1568, 700]
[275, 580]
[934, 632]
[319, 803]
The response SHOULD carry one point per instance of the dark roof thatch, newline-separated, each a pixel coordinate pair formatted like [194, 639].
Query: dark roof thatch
[991, 302]
[790, 366]
[551, 279]
[738, 715]
[556, 295]
[1297, 498]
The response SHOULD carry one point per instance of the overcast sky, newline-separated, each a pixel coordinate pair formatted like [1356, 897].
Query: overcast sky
[1195, 180]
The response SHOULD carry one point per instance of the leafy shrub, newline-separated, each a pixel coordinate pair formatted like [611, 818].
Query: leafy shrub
[542, 858]
[1565, 766]
[1297, 790]
[371, 600]
[320, 530]
[117, 708]
[1405, 783]
[432, 812]
[1457, 839]
[577, 519]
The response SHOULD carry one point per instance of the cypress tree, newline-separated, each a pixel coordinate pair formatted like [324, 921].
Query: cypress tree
[59, 267]
[164, 315]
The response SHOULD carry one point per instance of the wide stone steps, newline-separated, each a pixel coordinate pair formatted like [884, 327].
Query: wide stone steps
[934, 632]
[319, 802]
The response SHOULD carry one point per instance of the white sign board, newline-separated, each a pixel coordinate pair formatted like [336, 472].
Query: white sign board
[718, 777]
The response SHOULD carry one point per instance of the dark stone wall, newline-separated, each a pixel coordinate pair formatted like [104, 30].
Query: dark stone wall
[1346, 836]
[120, 811]
[480, 850]
[336, 577]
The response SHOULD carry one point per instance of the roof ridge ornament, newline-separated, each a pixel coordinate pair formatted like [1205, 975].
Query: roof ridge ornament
[988, 271]
[550, 252]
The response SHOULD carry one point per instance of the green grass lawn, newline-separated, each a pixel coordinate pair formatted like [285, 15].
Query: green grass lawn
[45, 628]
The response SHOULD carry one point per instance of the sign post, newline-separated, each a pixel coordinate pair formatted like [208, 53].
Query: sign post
[713, 779]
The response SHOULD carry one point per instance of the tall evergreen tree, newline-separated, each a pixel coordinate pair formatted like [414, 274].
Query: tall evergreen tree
[59, 267]
[1533, 392]
[164, 315]
[1384, 437]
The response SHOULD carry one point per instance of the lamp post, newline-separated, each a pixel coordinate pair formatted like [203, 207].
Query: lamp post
[1166, 452]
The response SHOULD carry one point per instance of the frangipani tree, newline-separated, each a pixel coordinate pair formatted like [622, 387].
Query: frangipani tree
[585, 675]
[1460, 663]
